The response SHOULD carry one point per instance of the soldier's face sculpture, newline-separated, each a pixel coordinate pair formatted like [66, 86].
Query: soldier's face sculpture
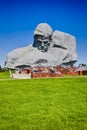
[42, 43]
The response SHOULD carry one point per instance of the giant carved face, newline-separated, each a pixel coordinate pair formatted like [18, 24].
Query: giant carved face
[42, 43]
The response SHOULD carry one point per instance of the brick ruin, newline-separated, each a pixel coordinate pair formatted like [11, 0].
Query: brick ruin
[40, 72]
[48, 72]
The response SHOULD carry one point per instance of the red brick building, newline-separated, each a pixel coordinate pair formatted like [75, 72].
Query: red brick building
[81, 70]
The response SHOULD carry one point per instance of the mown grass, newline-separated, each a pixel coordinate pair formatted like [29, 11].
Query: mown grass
[43, 104]
[4, 75]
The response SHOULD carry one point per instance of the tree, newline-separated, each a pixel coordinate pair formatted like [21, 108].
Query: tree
[0, 68]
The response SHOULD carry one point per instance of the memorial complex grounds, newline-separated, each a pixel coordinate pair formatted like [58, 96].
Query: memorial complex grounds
[43, 104]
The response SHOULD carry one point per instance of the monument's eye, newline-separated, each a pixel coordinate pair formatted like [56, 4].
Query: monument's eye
[45, 42]
[39, 42]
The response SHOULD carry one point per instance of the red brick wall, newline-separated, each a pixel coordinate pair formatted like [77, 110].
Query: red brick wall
[59, 71]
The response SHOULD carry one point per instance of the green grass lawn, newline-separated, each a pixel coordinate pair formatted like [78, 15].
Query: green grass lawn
[43, 104]
[4, 75]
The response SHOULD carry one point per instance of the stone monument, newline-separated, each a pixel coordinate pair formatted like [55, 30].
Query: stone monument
[49, 48]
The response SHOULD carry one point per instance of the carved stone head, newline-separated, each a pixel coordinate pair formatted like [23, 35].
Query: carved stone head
[42, 37]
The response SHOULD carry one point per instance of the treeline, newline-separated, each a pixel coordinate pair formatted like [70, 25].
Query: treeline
[2, 69]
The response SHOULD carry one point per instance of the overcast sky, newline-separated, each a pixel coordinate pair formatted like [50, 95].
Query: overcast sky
[19, 18]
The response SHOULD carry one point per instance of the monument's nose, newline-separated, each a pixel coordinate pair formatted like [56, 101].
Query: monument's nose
[42, 44]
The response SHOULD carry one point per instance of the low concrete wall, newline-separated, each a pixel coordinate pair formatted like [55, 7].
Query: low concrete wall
[20, 76]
